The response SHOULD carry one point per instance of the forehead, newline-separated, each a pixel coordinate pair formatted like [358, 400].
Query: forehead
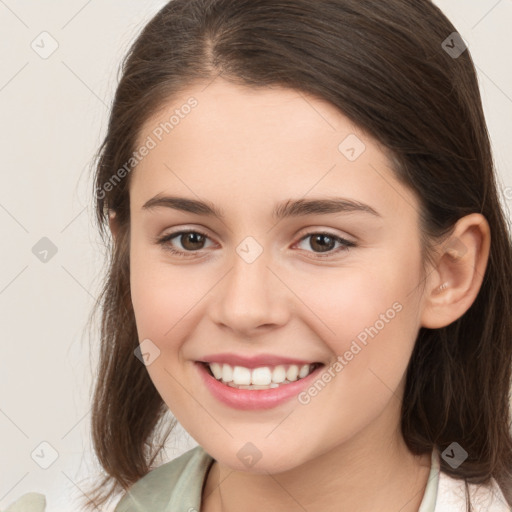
[261, 144]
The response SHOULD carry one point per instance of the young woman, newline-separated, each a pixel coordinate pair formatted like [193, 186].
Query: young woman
[310, 265]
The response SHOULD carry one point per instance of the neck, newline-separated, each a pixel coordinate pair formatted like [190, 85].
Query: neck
[360, 475]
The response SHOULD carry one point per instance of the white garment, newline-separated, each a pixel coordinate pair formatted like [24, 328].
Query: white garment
[446, 494]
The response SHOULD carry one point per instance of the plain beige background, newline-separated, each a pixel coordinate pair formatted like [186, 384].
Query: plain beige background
[54, 111]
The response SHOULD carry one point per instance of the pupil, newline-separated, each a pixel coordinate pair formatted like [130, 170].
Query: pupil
[193, 238]
[323, 247]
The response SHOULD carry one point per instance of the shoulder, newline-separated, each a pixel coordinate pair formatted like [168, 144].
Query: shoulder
[451, 496]
[178, 481]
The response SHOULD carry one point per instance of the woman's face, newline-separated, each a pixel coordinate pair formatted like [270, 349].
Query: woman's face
[252, 283]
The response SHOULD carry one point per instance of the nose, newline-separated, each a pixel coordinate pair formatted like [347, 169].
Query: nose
[250, 297]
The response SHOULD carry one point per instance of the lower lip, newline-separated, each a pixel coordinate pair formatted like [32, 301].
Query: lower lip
[250, 399]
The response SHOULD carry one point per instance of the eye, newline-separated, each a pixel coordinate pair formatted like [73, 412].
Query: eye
[192, 241]
[324, 242]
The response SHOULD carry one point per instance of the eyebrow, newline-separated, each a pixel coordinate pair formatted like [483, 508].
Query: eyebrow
[289, 208]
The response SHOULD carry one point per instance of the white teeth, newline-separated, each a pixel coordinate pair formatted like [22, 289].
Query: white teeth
[252, 386]
[304, 371]
[241, 375]
[216, 369]
[279, 374]
[262, 377]
[292, 373]
[227, 373]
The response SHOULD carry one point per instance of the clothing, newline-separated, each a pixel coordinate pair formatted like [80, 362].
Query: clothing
[31, 502]
[177, 486]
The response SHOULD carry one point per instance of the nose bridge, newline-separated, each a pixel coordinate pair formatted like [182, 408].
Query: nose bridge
[249, 295]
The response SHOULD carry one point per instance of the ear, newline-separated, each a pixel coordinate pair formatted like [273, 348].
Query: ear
[113, 223]
[455, 282]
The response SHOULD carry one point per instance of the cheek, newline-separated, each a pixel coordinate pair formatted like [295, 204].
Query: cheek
[345, 302]
[168, 301]
[161, 295]
[163, 301]
[367, 314]
[368, 320]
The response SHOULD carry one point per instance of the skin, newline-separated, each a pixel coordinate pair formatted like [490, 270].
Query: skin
[245, 150]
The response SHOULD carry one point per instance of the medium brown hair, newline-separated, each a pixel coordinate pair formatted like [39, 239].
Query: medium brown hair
[382, 64]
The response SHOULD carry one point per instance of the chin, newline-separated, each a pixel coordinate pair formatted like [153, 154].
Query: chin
[273, 463]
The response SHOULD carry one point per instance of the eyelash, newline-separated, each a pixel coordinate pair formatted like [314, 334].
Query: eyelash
[164, 241]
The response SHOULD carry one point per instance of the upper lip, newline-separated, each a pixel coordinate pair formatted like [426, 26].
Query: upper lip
[254, 361]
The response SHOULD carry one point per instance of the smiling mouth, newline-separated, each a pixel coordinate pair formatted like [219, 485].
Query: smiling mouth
[263, 377]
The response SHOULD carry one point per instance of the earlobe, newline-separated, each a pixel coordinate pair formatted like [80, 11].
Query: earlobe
[455, 282]
[112, 221]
